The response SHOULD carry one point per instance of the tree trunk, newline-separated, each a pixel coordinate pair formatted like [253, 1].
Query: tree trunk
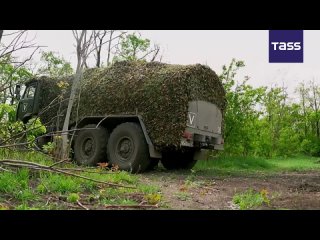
[316, 109]
[303, 96]
[109, 48]
[75, 84]
[1, 33]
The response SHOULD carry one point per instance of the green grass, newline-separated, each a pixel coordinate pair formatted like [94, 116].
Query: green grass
[17, 185]
[250, 199]
[31, 190]
[149, 189]
[26, 155]
[119, 201]
[73, 197]
[60, 184]
[246, 165]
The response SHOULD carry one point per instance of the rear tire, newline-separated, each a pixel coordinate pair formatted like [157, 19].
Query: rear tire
[174, 160]
[90, 146]
[128, 149]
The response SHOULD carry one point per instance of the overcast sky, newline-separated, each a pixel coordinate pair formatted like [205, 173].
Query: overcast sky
[215, 48]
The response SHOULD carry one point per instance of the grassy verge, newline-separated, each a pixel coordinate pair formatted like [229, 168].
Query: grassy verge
[251, 199]
[253, 165]
[25, 189]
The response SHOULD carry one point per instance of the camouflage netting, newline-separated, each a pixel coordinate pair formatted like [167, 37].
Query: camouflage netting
[158, 92]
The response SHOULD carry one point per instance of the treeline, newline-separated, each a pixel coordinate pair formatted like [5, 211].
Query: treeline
[265, 122]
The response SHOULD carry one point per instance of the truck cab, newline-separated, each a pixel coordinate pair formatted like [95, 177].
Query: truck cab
[28, 104]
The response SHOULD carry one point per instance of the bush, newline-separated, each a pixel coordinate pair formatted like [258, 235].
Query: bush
[8, 126]
[311, 146]
[12, 131]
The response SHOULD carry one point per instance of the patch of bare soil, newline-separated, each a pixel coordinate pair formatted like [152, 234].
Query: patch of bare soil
[285, 191]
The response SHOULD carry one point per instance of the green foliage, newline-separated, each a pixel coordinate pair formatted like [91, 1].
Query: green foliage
[61, 184]
[13, 182]
[8, 126]
[41, 188]
[49, 147]
[311, 146]
[16, 185]
[149, 189]
[34, 129]
[73, 197]
[7, 113]
[263, 122]
[10, 75]
[235, 165]
[251, 199]
[25, 186]
[153, 198]
[118, 201]
[241, 116]
[12, 131]
[132, 47]
[53, 65]
[25, 206]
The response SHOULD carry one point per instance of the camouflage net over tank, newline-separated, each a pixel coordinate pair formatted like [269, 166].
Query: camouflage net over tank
[158, 92]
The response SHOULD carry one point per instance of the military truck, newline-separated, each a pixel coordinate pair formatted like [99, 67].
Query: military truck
[133, 136]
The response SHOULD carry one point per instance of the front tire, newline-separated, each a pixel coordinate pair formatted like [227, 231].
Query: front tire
[90, 146]
[127, 148]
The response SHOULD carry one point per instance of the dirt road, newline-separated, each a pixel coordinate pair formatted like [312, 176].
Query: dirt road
[187, 191]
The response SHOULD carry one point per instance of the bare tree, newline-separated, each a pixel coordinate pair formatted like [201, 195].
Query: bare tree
[303, 92]
[17, 41]
[98, 37]
[1, 33]
[83, 45]
[152, 53]
[102, 37]
[315, 93]
[134, 47]
[109, 47]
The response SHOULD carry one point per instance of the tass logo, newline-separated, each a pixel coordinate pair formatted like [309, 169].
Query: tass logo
[286, 46]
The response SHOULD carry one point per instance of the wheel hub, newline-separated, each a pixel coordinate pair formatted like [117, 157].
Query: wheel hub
[88, 147]
[125, 148]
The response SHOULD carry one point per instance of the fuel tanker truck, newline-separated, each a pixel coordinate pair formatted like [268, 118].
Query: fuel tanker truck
[133, 114]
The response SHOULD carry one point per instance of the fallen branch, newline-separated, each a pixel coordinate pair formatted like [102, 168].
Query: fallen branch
[86, 171]
[5, 170]
[49, 198]
[57, 163]
[84, 207]
[40, 167]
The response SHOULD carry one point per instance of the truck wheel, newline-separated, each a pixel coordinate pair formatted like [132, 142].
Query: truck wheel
[174, 160]
[127, 148]
[90, 146]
